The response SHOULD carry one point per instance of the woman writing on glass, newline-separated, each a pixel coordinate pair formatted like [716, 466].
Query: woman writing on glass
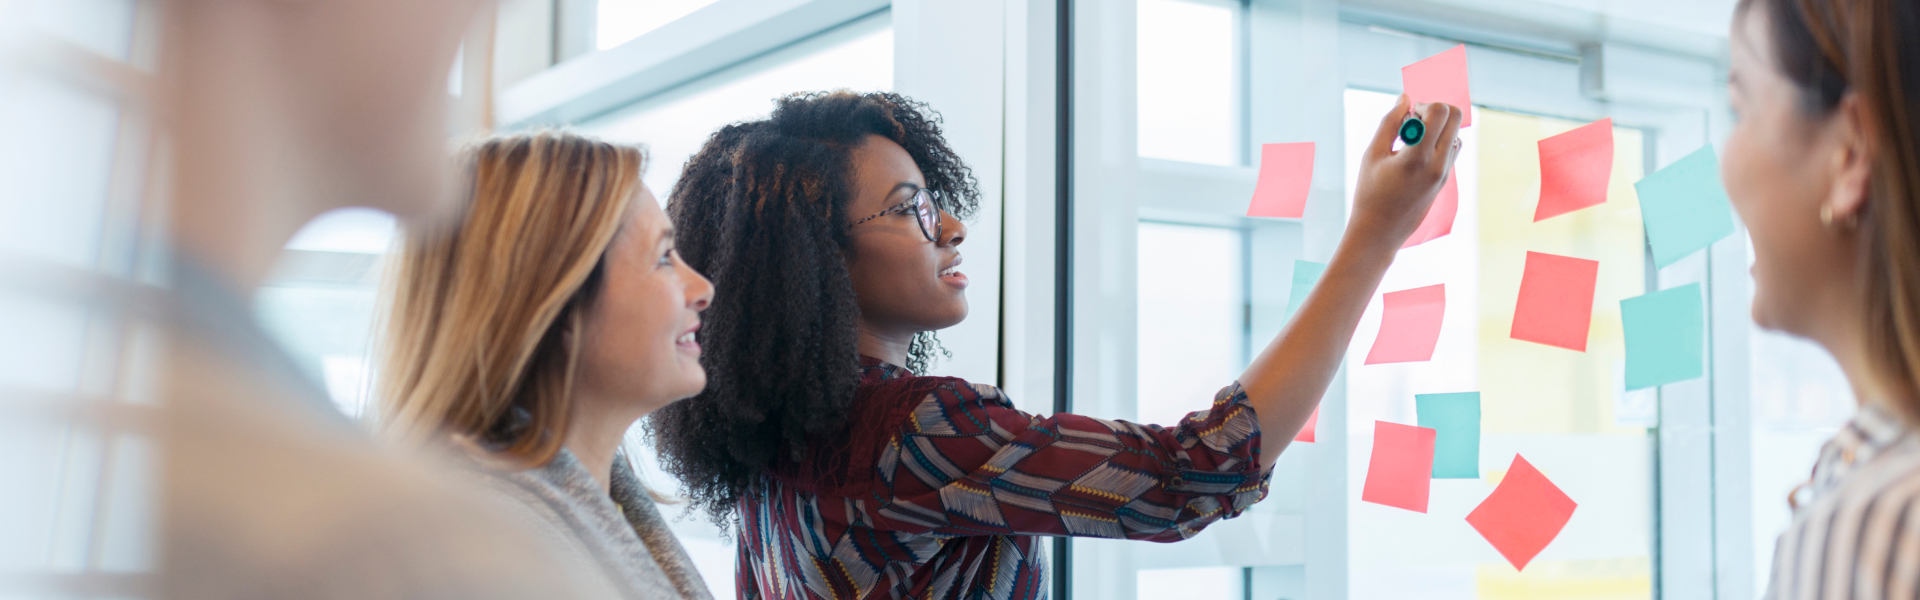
[831, 230]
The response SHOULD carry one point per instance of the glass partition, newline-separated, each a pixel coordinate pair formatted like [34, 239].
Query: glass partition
[1564, 411]
[1162, 177]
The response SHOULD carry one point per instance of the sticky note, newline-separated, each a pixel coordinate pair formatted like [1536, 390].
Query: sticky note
[1456, 419]
[1556, 300]
[1306, 432]
[1440, 78]
[1574, 168]
[1397, 475]
[1439, 219]
[1286, 174]
[1666, 336]
[1410, 325]
[1684, 206]
[1306, 274]
[1523, 514]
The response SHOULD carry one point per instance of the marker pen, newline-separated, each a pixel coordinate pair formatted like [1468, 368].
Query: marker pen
[1413, 130]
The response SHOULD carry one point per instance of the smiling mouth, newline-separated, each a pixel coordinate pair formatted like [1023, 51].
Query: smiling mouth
[952, 268]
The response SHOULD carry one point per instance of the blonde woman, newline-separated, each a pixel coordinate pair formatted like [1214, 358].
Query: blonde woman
[533, 330]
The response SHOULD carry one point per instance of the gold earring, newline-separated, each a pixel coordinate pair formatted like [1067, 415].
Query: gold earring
[1826, 215]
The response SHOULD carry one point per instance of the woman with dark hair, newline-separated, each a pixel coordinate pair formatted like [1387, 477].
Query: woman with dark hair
[832, 232]
[1824, 168]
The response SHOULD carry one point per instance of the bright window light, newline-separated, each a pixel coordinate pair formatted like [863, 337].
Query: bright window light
[1191, 325]
[619, 21]
[1186, 82]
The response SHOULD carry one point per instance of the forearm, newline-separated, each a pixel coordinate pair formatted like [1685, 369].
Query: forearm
[1285, 382]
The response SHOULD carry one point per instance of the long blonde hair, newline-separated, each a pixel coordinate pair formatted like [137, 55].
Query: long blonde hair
[483, 324]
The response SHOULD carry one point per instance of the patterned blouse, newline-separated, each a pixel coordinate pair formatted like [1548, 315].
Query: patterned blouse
[1855, 530]
[965, 483]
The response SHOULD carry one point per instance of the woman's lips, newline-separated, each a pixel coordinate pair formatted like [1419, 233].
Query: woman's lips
[952, 275]
[687, 340]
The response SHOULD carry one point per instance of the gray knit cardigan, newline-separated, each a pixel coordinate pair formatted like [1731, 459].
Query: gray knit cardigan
[621, 535]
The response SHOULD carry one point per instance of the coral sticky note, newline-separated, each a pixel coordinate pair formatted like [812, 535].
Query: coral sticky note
[1556, 300]
[1397, 475]
[1574, 168]
[1439, 219]
[1666, 336]
[1441, 78]
[1306, 274]
[1286, 174]
[1306, 432]
[1523, 514]
[1410, 325]
[1684, 207]
[1456, 419]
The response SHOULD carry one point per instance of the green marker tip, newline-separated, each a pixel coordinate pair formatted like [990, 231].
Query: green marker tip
[1413, 130]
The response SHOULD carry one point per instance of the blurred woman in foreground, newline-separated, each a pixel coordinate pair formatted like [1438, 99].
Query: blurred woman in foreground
[1824, 168]
[535, 328]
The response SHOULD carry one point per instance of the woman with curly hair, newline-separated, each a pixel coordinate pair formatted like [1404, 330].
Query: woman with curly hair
[832, 230]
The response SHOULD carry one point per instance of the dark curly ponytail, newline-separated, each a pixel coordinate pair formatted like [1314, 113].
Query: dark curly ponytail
[762, 210]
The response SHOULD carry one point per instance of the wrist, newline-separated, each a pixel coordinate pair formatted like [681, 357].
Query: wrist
[1370, 235]
[1368, 249]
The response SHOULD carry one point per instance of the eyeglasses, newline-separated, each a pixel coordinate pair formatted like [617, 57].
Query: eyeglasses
[924, 212]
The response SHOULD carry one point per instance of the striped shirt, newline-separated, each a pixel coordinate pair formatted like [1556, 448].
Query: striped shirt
[1856, 530]
[964, 484]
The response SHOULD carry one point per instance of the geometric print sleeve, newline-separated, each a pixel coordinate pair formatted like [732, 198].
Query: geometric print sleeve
[967, 463]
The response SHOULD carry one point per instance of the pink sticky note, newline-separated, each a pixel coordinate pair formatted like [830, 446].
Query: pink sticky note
[1556, 300]
[1286, 173]
[1441, 78]
[1306, 432]
[1523, 514]
[1401, 467]
[1439, 219]
[1410, 326]
[1574, 168]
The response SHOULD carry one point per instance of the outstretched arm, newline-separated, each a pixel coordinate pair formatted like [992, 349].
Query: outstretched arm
[1284, 383]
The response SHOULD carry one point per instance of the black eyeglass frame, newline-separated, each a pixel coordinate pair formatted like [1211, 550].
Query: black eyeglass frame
[922, 197]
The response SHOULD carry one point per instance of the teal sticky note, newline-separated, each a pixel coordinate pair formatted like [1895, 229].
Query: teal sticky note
[1666, 336]
[1306, 273]
[1456, 418]
[1684, 206]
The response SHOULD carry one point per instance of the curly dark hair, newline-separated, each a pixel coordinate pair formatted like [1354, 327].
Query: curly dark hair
[762, 210]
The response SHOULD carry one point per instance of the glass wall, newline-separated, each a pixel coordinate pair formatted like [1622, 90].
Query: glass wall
[1565, 411]
[1210, 82]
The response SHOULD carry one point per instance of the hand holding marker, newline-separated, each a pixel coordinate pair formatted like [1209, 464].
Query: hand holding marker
[1413, 130]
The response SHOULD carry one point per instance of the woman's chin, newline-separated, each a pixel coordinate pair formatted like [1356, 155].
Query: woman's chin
[691, 381]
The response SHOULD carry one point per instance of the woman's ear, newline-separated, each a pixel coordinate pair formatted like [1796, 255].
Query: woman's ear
[1852, 162]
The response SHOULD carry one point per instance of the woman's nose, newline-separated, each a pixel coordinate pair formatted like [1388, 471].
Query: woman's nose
[952, 230]
[700, 294]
